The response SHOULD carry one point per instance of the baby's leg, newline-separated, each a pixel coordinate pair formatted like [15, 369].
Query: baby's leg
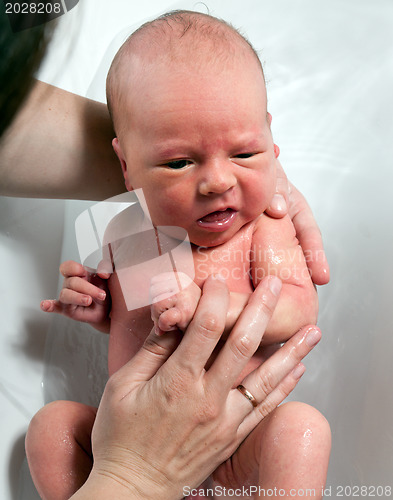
[288, 451]
[58, 448]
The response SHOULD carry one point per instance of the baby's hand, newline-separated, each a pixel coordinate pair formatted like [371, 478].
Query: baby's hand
[172, 309]
[83, 297]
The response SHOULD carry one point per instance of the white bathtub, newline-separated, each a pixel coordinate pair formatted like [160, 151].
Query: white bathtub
[329, 68]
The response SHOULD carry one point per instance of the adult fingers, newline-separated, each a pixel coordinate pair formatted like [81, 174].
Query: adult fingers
[246, 336]
[281, 392]
[148, 360]
[309, 236]
[269, 384]
[196, 345]
[279, 204]
[206, 328]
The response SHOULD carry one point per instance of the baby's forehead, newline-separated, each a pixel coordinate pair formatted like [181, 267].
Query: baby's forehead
[190, 43]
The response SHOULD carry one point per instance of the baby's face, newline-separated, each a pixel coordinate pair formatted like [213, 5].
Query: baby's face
[201, 149]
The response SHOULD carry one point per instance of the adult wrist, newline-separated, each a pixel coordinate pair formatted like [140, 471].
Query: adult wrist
[103, 485]
[101, 488]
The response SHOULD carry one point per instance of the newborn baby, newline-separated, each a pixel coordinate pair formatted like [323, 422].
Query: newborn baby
[187, 96]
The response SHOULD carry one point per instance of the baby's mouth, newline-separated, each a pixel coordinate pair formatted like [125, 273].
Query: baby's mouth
[219, 219]
[217, 216]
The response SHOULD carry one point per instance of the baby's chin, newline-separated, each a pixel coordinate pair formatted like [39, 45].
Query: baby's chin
[200, 240]
[209, 242]
[213, 239]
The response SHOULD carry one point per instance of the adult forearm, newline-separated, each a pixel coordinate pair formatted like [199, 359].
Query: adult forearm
[59, 146]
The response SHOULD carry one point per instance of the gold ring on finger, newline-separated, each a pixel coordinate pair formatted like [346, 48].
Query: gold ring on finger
[247, 394]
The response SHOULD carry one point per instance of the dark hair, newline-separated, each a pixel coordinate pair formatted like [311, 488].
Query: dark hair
[20, 55]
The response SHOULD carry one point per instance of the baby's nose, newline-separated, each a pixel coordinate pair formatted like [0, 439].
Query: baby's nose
[217, 178]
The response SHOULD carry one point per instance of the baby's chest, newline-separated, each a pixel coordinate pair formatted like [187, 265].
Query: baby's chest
[231, 260]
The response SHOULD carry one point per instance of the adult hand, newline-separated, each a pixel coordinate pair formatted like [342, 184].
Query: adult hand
[287, 199]
[309, 236]
[166, 422]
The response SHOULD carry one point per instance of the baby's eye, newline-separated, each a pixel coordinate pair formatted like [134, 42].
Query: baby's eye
[178, 164]
[245, 155]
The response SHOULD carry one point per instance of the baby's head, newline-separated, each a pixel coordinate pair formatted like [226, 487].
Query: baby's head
[187, 97]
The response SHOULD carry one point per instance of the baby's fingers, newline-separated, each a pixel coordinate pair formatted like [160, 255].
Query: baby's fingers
[72, 298]
[159, 306]
[83, 287]
[170, 319]
[162, 291]
[104, 269]
[51, 306]
[71, 268]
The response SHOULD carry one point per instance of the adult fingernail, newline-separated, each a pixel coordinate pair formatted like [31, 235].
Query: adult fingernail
[101, 295]
[278, 203]
[275, 285]
[325, 273]
[313, 336]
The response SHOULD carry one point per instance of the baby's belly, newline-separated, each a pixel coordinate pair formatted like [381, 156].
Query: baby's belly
[129, 329]
[123, 345]
[128, 332]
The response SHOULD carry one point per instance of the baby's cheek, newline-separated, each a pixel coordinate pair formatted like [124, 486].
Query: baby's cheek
[168, 211]
[260, 189]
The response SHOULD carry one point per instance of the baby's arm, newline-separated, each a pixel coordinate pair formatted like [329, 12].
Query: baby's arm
[276, 251]
[174, 298]
[84, 297]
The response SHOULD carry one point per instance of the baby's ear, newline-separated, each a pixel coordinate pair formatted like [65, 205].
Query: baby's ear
[269, 118]
[119, 152]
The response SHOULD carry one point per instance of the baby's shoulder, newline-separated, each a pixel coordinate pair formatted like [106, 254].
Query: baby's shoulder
[129, 221]
[269, 228]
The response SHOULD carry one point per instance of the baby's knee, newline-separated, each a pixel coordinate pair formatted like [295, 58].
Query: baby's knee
[55, 426]
[298, 426]
[58, 448]
[303, 416]
[42, 426]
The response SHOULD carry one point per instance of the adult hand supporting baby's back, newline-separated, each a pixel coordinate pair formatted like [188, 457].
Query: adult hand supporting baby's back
[166, 422]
